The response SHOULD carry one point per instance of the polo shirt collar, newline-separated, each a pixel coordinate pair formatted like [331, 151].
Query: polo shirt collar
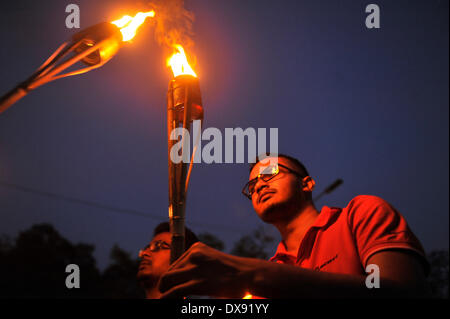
[325, 218]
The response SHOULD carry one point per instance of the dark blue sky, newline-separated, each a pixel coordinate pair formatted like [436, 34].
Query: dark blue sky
[368, 106]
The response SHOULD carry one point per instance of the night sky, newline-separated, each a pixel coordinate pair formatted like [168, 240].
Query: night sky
[370, 106]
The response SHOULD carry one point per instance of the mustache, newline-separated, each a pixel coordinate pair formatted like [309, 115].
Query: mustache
[264, 192]
[145, 262]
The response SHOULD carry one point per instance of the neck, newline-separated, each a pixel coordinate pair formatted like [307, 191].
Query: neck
[151, 289]
[152, 293]
[293, 230]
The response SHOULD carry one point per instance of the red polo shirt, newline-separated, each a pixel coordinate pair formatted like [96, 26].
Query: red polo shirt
[342, 240]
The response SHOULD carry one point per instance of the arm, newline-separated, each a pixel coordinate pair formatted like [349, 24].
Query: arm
[401, 275]
[205, 271]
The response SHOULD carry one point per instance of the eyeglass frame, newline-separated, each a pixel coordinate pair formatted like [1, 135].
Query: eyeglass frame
[154, 247]
[249, 196]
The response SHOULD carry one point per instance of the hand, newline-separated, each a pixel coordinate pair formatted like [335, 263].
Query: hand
[205, 271]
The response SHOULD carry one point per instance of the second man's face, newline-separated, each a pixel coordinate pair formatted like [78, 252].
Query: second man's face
[155, 263]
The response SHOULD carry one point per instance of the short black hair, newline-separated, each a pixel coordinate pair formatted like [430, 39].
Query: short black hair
[189, 239]
[296, 162]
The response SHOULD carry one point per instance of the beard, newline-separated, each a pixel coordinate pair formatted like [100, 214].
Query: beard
[147, 281]
[147, 277]
[281, 211]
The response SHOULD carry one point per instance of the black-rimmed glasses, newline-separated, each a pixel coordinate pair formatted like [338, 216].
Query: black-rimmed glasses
[154, 246]
[266, 175]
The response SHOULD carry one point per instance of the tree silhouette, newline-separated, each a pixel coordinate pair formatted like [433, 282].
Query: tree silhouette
[253, 245]
[211, 240]
[119, 278]
[35, 265]
[439, 270]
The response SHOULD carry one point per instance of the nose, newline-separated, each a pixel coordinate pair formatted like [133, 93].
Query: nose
[144, 253]
[260, 185]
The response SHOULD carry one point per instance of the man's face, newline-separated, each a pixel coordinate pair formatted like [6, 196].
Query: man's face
[155, 263]
[275, 199]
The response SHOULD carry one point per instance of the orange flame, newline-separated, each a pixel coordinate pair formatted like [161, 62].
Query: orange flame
[179, 64]
[128, 25]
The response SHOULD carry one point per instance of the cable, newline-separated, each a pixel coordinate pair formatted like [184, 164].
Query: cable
[108, 207]
[77, 201]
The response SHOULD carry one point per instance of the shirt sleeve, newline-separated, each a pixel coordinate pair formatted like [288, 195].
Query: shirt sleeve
[377, 226]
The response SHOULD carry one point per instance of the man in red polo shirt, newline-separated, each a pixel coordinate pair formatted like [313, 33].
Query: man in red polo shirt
[322, 254]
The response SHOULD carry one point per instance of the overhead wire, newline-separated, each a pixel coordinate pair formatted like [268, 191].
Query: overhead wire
[109, 207]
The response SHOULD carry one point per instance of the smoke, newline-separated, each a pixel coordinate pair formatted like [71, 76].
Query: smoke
[173, 23]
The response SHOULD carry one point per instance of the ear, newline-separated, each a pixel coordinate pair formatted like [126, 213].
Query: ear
[308, 184]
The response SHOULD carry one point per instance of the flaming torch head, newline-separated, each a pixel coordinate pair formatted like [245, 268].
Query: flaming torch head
[107, 34]
[184, 87]
[110, 35]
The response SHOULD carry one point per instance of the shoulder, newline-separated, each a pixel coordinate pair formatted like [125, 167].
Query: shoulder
[378, 226]
[366, 201]
[368, 207]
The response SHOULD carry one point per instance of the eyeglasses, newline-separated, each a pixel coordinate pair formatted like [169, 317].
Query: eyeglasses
[266, 175]
[154, 246]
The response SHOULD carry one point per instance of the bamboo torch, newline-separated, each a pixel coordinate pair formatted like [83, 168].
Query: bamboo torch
[184, 105]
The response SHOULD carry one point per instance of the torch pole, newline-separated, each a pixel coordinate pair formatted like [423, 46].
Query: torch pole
[11, 97]
[177, 174]
[183, 106]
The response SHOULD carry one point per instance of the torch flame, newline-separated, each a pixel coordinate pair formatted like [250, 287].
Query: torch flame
[179, 64]
[128, 25]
